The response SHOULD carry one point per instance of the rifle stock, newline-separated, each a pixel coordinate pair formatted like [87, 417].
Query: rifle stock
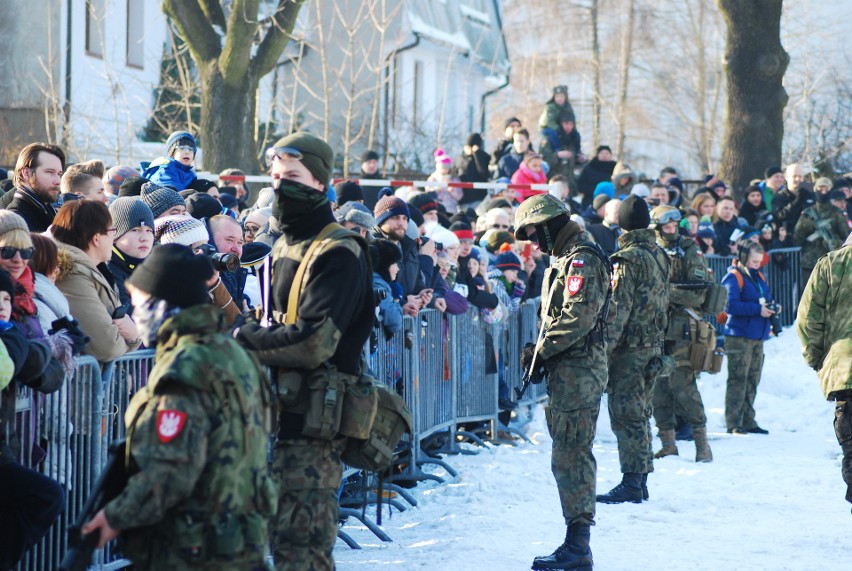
[111, 481]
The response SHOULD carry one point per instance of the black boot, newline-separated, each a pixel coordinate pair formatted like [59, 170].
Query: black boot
[574, 554]
[629, 490]
[645, 494]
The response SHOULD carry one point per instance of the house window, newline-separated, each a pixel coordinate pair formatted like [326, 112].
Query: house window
[136, 33]
[95, 28]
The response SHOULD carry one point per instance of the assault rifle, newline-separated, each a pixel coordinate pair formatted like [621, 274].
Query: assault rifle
[111, 481]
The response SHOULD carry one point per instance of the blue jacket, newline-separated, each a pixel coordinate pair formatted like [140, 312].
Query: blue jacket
[743, 307]
[390, 312]
[169, 172]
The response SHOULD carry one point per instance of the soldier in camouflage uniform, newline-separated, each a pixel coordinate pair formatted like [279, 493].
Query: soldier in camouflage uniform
[574, 299]
[199, 493]
[636, 331]
[825, 328]
[678, 392]
[822, 228]
[333, 322]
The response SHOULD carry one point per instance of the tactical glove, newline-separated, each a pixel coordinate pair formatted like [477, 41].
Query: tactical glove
[527, 355]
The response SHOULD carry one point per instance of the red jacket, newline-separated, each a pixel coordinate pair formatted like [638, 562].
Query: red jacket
[526, 176]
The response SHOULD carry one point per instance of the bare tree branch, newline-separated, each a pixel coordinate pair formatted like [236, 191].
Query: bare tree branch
[277, 37]
[194, 28]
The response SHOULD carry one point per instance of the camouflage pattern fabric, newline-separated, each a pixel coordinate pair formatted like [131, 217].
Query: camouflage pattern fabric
[198, 434]
[821, 229]
[678, 394]
[308, 473]
[843, 430]
[745, 363]
[578, 282]
[636, 333]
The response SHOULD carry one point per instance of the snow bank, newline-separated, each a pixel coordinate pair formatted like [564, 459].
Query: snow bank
[766, 502]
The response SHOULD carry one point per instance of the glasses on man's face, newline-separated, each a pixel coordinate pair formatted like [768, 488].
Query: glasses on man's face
[112, 230]
[8, 252]
[500, 226]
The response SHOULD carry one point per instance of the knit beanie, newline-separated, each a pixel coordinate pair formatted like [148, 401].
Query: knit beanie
[462, 230]
[175, 274]
[159, 199]
[508, 261]
[203, 206]
[606, 188]
[317, 156]
[128, 212]
[132, 186]
[369, 156]
[633, 214]
[260, 216]
[441, 235]
[12, 221]
[179, 138]
[511, 120]
[599, 201]
[641, 190]
[474, 139]
[424, 202]
[187, 192]
[348, 191]
[389, 205]
[265, 197]
[705, 229]
[202, 185]
[228, 201]
[442, 158]
[7, 285]
[493, 239]
[115, 176]
[180, 230]
[474, 254]
[356, 213]
[772, 170]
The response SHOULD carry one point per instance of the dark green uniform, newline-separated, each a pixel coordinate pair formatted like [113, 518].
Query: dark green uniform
[821, 229]
[576, 366]
[198, 434]
[640, 298]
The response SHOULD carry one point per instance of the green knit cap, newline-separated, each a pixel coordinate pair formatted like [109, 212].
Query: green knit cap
[317, 156]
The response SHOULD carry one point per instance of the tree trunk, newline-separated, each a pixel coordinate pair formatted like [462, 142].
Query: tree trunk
[624, 72]
[227, 121]
[755, 63]
[596, 77]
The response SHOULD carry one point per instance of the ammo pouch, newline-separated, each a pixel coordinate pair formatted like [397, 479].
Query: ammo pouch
[360, 403]
[392, 420]
[228, 535]
[325, 390]
[703, 355]
[715, 299]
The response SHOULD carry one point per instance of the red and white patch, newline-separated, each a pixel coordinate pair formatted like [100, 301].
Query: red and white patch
[574, 285]
[577, 263]
[169, 424]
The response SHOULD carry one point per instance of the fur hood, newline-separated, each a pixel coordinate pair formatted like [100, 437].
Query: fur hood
[70, 258]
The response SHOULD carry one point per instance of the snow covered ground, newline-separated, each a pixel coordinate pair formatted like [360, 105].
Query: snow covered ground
[766, 502]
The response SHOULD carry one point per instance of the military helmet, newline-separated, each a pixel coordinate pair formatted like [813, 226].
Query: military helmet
[664, 214]
[536, 210]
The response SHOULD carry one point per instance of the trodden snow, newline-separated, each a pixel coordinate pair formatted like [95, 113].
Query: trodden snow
[770, 502]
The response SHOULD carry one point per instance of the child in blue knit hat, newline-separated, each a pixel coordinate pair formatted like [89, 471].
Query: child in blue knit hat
[175, 170]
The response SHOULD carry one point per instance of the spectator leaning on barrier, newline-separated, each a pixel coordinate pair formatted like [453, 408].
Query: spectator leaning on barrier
[749, 308]
[323, 337]
[198, 432]
[385, 257]
[640, 295]
[824, 324]
[29, 501]
[822, 228]
[37, 177]
[572, 351]
[175, 170]
[132, 242]
[84, 234]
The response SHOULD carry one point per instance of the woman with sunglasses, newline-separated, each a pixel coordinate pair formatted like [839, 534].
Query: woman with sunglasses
[84, 233]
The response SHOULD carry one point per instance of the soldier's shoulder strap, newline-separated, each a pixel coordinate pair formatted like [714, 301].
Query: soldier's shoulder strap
[596, 250]
[332, 235]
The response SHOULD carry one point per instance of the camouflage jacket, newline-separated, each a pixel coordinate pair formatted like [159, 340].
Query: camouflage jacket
[688, 267]
[821, 228]
[575, 287]
[198, 438]
[824, 320]
[640, 292]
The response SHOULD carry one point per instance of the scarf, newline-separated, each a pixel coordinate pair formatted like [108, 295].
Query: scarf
[24, 305]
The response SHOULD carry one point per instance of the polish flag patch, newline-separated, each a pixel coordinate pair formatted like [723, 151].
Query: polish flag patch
[574, 285]
[169, 424]
[577, 263]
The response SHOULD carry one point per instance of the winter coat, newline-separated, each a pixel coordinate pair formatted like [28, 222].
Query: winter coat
[768, 194]
[38, 215]
[594, 172]
[509, 163]
[723, 230]
[549, 118]
[390, 312]
[525, 175]
[92, 300]
[821, 228]
[789, 205]
[502, 148]
[623, 178]
[510, 295]
[824, 320]
[472, 168]
[754, 216]
[475, 296]
[167, 171]
[606, 235]
[743, 307]
[121, 266]
[50, 303]
[409, 267]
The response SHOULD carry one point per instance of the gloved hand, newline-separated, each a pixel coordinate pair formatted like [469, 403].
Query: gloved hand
[71, 327]
[244, 333]
[527, 354]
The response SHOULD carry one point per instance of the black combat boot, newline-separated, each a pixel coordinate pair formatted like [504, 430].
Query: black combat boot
[629, 490]
[574, 554]
[645, 494]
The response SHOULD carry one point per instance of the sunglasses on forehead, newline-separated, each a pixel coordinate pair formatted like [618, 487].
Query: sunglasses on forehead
[8, 252]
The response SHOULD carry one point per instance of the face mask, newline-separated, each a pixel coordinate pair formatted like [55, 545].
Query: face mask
[293, 199]
[668, 237]
[150, 317]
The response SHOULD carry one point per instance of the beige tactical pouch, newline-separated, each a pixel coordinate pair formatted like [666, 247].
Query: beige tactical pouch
[360, 404]
[325, 392]
[703, 346]
[715, 299]
[392, 420]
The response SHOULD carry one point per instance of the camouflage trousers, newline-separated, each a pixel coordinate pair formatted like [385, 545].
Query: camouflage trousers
[572, 416]
[308, 473]
[745, 363]
[678, 395]
[843, 430]
[629, 395]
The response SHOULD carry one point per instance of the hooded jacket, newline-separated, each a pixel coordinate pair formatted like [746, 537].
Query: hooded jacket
[743, 306]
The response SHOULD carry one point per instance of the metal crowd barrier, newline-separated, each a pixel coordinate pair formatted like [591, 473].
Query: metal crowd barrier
[783, 272]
